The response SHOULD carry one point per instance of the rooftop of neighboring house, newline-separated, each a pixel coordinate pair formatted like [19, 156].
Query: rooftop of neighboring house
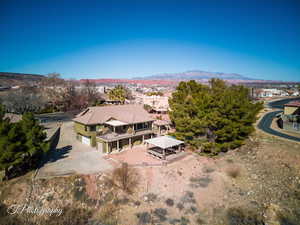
[293, 104]
[127, 114]
[14, 118]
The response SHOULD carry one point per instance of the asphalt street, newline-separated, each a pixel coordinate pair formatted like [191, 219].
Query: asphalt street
[265, 123]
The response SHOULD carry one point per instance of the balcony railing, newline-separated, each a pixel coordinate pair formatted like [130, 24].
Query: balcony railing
[111, 136]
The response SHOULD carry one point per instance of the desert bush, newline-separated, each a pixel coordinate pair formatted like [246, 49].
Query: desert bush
[125, 178]
[200, 221]
[184, 221]
[229, 160]
[286, 219]
[192, 209]
[151, 197]
[121, 201]
[243, 217]
[170, 202]
[180, 206]
[107, 214]
[79, 191]
[233, 171]
[161, 213]
[188, 197]
[144, 217]
[208, 170]
[199, 182]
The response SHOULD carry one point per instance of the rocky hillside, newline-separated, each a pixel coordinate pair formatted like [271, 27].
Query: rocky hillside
[13, 79]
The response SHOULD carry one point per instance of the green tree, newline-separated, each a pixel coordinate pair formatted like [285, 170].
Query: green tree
[158, 93]
[119, 93]
[22, 144]
[214, 118]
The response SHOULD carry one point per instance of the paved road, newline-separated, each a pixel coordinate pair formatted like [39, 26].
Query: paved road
[265, 123]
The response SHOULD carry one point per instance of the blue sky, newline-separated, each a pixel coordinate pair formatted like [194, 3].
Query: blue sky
[124, 39]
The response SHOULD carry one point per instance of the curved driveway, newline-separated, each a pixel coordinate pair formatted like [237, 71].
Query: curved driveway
[265, 123]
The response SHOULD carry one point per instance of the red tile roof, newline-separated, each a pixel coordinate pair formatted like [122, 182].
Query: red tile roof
[293, 104]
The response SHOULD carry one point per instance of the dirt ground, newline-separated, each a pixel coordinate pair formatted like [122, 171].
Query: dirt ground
[136, 156]
[259, 182]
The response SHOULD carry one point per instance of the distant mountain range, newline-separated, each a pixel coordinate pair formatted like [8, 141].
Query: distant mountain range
[168, 79]
[194, 75]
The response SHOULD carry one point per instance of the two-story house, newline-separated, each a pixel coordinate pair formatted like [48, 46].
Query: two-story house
[110, 128]
[290, 119]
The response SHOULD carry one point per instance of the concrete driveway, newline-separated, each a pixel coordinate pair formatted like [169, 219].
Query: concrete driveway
[73, 157]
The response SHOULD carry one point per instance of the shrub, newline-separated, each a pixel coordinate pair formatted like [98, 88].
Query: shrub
[243, 217]
[188, 197]
[161, 213]
[125, 178]
[107, 215]
[208, 170]
[180, 206]
[199, 182]
[233, 171]
[170, 202]
[144, 217]
[151, 197]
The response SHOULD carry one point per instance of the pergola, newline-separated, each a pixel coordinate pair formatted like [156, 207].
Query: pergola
[160, 124]
[163, 145]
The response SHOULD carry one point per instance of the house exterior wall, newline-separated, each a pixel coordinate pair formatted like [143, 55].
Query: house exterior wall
[84, 130]
[295, 127]
[108, 146]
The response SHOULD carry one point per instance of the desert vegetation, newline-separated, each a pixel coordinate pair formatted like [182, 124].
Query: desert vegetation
[124, 178]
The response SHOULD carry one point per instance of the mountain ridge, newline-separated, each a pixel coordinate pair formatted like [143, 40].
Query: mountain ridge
[195, 75]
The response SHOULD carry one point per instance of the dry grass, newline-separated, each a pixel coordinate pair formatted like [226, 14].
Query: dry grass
[107, 214]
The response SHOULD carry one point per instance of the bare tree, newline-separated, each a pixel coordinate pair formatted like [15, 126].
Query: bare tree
[90, 92]
[22, 101]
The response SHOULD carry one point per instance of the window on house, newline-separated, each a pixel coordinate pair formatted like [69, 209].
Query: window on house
[141, 126]
[93, 128]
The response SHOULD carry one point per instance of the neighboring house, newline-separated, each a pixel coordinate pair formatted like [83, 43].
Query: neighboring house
[110, 128]
[13, 118]
[158, 104]
[106, 100]
[271, 92]
[290, 119]
[292, 108]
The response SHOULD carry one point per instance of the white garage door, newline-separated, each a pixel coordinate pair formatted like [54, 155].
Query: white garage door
[86, 140]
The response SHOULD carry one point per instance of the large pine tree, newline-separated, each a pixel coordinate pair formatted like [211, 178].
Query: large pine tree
[22, 144]
[214, 118]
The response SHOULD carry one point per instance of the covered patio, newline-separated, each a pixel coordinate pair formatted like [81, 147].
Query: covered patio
[163, 146]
